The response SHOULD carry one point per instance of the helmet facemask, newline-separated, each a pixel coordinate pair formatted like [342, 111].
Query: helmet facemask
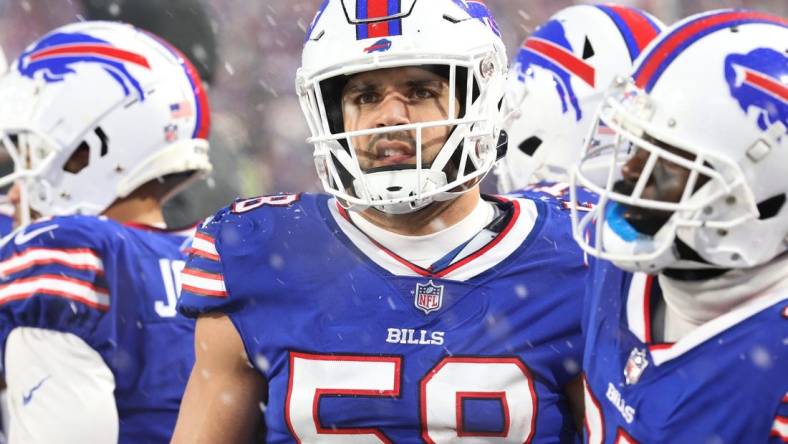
[32, 154]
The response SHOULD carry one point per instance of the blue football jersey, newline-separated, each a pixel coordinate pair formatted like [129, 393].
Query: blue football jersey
[115, 287]
[725, 382]
[6, 216]
[6, 224]
[359, 345]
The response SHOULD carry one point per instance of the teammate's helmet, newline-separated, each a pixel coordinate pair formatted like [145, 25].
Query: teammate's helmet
[455, 37]
[556, 85]
[122, 100]
[709, 99]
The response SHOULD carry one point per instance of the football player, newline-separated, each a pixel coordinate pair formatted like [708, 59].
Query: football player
[555, 87]
[103, 122]
[699, 208]
[402, 306]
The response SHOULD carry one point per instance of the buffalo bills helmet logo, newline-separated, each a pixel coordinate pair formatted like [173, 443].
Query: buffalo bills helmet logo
[549, 49]
[381, 45]
[757, 80]
[479, 11]
[56, 55]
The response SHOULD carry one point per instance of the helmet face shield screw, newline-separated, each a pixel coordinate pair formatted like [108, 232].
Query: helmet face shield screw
[487, 68]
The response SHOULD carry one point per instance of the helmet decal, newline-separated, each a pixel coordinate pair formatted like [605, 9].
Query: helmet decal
[637, 28]
[371, 9]
[55, 54]
[752, 83]
[668, 49]
[549, 48]
[381, 45]
[478, 10]
[203, 127]
[315, 21]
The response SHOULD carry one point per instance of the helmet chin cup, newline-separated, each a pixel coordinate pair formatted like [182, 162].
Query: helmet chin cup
[399, 186]
[638, 252]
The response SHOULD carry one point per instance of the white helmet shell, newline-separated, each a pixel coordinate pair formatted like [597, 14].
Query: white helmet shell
[557, 82]
[130, 98]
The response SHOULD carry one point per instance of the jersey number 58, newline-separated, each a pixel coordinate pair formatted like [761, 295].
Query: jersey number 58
[441, 394]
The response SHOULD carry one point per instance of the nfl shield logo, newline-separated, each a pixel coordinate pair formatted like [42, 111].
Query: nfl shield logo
[429, 297]
[636, 364]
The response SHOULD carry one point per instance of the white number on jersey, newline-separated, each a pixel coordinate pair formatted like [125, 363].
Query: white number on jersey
[441, 392]
[171, 277]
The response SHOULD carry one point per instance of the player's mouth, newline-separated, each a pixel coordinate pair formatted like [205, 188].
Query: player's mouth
[392, 152]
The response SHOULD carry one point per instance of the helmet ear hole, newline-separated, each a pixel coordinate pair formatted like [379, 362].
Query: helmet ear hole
[771, 206]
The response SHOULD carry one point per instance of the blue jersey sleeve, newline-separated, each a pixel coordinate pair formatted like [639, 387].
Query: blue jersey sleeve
[202, 280]
[235, 235]
[52, 276]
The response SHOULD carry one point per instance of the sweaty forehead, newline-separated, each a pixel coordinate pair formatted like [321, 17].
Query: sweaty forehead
[392, 77]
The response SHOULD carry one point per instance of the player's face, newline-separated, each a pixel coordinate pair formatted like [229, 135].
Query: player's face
[391, 97]
[666, 184]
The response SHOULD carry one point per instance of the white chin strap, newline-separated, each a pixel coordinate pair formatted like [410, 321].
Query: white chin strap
[396, 185]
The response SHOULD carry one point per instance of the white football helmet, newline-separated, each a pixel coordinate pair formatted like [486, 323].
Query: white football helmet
[556, 85]
[121, 98]
[708, 99]
[349, 37]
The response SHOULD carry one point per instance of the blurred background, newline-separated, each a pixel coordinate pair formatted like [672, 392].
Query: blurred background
[248, 52]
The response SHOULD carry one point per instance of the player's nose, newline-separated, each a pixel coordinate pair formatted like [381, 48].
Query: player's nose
[633, 168]
[393, 111]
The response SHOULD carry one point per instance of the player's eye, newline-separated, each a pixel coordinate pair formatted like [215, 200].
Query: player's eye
[366, 98]
[423, 93]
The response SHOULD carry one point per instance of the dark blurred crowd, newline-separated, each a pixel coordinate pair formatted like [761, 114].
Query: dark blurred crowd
[248, 51]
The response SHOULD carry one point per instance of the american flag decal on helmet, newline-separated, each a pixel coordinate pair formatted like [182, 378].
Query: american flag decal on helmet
[367, 10]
